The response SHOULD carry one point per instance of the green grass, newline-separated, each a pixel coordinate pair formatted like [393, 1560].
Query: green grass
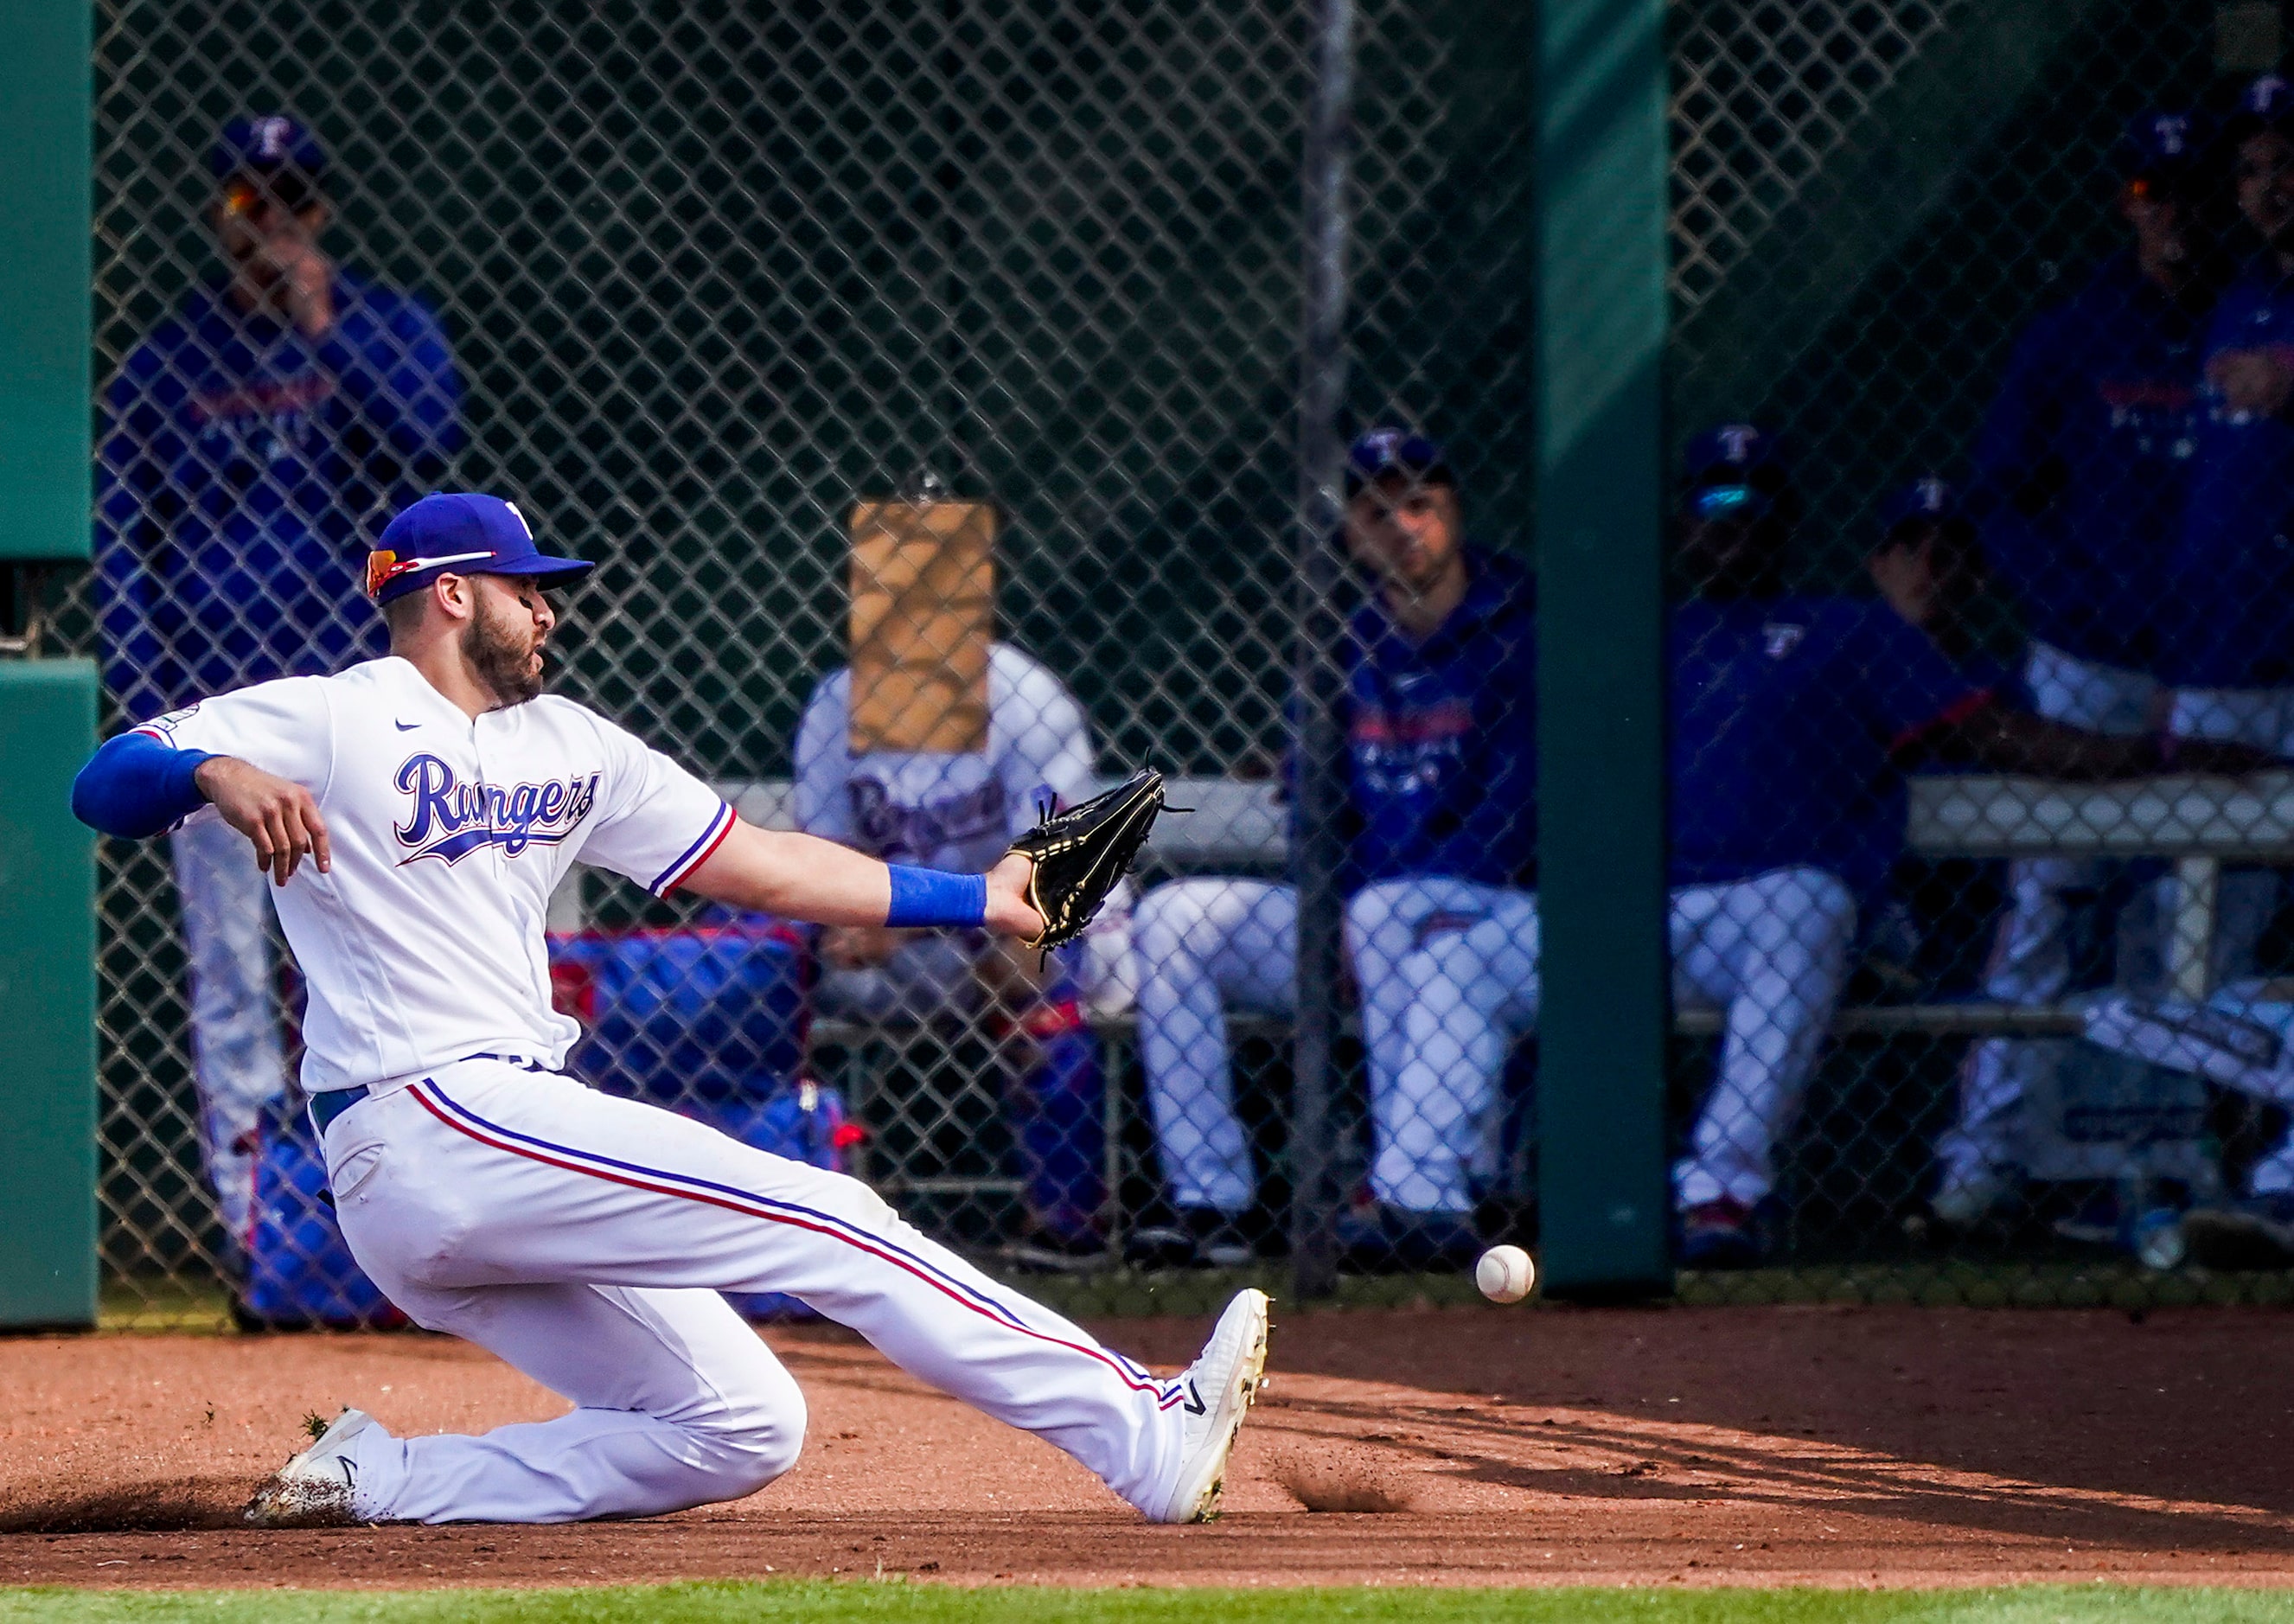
[818, 1601]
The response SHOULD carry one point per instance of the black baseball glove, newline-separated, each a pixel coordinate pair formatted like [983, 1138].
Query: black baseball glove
[1081, 853]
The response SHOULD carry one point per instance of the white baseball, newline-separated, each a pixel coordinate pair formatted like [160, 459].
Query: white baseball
[1505, 1274]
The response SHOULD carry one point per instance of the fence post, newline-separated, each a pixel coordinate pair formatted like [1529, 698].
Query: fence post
[1601, 339]
[1318, 678]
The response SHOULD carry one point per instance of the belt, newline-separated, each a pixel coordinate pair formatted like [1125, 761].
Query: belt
[328, 1104]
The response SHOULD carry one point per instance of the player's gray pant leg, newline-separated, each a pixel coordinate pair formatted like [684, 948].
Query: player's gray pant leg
[679, 1404]
[1772, 951]
[1472, 992]
[238, 1058]
[1198, 945]
[2031, 957]
[1385, 923]
[2263, 717]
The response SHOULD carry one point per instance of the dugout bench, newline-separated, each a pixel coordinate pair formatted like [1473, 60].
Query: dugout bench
[1239, 827]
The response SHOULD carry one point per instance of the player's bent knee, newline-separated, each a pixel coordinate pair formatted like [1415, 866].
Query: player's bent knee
[757, 1438]
[742, 1463]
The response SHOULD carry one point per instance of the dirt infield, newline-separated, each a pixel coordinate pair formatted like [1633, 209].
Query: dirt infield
[1685, 1445]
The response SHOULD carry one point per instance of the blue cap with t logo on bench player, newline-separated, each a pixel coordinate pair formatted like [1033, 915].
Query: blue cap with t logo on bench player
[463, 533]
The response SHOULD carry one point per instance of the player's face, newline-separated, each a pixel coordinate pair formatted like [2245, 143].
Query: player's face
[2162, 234]
[510, 621]
[2264, 176]
[1731, 557]
[252, 211]
[1404, 531]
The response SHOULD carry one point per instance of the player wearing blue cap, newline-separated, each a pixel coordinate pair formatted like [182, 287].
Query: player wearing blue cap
[1927, 565]
[2083, 469]
[2231, 644]
[1440, 830]
[416, 813]
[253, 445]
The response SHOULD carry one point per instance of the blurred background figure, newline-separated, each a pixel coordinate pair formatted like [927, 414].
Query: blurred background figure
[253, 446]
[1795, 717]
[2230, 646]
[959, 810]
[2082, 469]
[1440, 825]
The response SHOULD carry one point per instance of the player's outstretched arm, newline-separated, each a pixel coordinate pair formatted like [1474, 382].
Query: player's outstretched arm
[804, 877]
[136, 787]
[2008, 740]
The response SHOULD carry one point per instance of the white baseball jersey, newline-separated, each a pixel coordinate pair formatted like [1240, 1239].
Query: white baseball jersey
[425, 943]
[938, 809]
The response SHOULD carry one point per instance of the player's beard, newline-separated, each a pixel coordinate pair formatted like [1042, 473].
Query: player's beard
[503, 655]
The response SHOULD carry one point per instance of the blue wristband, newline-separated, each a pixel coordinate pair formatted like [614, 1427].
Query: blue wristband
[932, 896]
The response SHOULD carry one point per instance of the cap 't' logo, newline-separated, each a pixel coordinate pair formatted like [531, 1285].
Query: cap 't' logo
[270, 137]
[1737, 441]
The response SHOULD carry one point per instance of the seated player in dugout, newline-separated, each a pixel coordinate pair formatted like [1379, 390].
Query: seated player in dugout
[860, 784]
[1792, 717]
[1929, 568]
[1439, 830]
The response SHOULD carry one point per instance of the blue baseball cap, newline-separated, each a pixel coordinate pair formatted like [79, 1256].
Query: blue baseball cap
[2162, 142]
[1394, 450]
[270, 141]
[1926, 499]
[458, 532]
[1734, 471]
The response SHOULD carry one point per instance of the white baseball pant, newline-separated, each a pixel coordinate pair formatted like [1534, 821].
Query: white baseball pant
[2263, 717]
[1200, 945]
[238, 1057]
[1771, 952]
[2031, 956]
[584, 1239]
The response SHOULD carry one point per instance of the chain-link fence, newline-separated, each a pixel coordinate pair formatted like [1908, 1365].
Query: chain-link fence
[1966, 281]
[691, 283]
[749, 304]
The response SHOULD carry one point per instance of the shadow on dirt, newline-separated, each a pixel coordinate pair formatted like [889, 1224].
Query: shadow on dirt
[178, 1505]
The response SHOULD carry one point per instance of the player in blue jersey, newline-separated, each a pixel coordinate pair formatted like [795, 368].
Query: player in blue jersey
[1792, 719]
[2082, 471]
[254, 445]
[2230, 646]
[1440, 832]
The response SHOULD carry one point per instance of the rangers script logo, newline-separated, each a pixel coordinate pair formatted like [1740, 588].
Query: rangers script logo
[452, 818]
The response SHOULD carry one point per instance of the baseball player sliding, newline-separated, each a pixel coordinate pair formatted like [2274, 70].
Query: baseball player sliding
[415, 814]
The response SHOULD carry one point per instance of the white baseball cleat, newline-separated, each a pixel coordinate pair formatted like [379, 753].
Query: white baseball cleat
[314, 1490]
[1216, 1391]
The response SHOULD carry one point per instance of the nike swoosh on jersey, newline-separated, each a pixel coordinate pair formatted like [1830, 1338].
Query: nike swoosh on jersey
[405, 727]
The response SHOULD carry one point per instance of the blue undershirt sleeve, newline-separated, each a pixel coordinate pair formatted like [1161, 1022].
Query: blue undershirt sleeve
[134, 786]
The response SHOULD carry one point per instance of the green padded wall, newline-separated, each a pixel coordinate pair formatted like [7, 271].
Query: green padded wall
[47, 998]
